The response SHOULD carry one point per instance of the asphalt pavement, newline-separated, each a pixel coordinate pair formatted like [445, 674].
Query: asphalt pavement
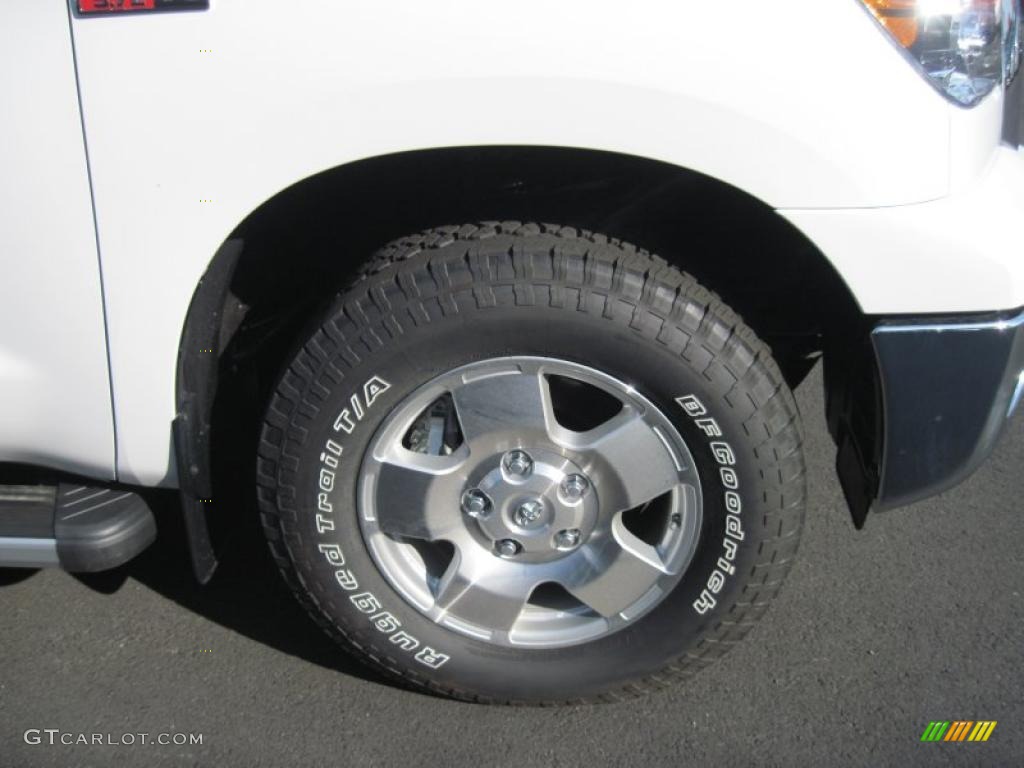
[918, 617]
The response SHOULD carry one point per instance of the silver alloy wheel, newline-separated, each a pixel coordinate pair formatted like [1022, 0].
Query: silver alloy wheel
[519, 535]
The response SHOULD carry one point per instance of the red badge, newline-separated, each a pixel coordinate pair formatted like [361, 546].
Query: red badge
[107, 6]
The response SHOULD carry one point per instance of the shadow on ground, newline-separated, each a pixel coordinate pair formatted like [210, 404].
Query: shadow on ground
[246, 593]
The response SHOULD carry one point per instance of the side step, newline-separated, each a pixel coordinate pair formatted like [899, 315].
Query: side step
[79, 528]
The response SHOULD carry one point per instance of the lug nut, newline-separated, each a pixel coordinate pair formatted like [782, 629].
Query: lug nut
[508, 547]
[574, 487]
[476, 503]
[517, 463]
[567, 539]
[528, 513]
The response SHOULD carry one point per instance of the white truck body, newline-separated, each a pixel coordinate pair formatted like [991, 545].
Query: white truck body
[189, 121]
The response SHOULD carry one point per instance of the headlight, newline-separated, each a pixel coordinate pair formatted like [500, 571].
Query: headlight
[965, 48]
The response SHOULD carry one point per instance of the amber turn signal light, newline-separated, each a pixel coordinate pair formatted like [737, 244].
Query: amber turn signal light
[899, 17]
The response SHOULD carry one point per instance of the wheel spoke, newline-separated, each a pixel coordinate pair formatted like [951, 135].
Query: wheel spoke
[616, 570]
[418, 495]
[516, 401]
[483, 591]
[634, 465]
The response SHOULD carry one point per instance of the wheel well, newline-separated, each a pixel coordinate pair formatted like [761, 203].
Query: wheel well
[290, 256]
[304, 244]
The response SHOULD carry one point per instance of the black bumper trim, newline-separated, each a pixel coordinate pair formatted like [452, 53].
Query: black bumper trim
[1013, 112]
[948, 388]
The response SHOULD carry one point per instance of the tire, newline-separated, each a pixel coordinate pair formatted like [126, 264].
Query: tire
[459, 296]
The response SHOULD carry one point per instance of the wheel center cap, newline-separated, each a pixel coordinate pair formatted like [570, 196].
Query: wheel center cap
[530, 504]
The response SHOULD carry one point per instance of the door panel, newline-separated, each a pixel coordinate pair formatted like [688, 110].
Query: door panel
[55, 404]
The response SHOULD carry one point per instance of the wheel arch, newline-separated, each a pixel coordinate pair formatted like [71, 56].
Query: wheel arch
[291, 254]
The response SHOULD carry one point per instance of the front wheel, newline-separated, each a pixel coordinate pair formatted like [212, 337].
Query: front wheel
[522, 463]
